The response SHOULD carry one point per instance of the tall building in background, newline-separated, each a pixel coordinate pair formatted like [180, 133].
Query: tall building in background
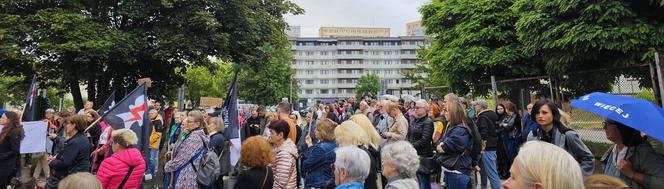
[328, 68]
[414, 29]
[293, 31]
[353, 32]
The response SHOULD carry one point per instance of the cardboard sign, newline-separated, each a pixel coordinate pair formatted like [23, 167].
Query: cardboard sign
[211, 102]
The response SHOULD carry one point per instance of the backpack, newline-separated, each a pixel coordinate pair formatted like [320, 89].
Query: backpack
[210, 168]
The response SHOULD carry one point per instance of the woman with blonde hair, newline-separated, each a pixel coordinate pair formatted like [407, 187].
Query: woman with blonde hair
[544, 166]
[365, 124]
[600, 181]
[82, 180]
[319, 156]
[218, 145]
[350, 133]
[126, 165]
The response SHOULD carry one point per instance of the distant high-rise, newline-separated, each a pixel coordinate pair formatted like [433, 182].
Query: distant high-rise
[293, 31]
[353, 32]
[414, 29]
[328, 68]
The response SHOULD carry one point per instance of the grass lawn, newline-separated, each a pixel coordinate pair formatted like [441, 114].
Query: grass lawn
[598, 148]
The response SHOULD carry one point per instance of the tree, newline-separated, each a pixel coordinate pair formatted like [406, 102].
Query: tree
[272, 82]
[584, 35]
[474, 39]
[367, 85]
[14, 90]
[204, 82]
[110, 44]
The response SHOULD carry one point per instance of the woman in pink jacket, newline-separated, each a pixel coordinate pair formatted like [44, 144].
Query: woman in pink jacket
[125, 168]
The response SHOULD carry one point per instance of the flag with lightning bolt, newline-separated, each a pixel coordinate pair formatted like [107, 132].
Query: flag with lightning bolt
[132, 113]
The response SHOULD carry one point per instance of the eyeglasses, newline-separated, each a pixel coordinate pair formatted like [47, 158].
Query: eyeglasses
[605, 124]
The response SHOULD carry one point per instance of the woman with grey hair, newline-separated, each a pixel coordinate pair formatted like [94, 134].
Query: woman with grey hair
[400, 164]
[351, 167]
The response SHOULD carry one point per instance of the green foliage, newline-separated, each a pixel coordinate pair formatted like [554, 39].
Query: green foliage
[270, 83]
[205, 82]
[523, 38]
[108, 45]
[648, 95]
[14, 89]
[474, 39]
[367, 85]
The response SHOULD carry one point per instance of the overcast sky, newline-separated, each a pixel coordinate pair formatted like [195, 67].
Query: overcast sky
[393, 14]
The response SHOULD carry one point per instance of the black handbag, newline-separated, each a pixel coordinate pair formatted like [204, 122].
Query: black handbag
[449, 161]
[428, 165]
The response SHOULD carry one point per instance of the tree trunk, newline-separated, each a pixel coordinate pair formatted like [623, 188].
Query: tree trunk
[92, 92]
[76, 93]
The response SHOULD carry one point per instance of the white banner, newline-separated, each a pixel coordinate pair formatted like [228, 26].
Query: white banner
[35, 137]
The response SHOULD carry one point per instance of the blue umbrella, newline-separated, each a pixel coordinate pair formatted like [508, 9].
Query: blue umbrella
[639, 114]
[2, 111]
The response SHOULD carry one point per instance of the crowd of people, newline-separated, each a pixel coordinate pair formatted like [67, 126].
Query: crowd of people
[394, 144]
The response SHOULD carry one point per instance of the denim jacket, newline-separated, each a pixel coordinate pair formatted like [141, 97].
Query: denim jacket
[316, 167]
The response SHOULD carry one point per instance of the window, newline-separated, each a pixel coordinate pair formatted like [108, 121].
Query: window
[375, 52]
[324, 91]
[324, 71]
[309, 81]
[310, 72]
[310, 53]
[310, 62]
[323, 53]
[355, 61]
[324, 81]
[387, 52]
[309, 91]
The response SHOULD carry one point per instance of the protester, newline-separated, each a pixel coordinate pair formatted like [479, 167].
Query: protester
[103, 147]
[551, 130]
[486, 123]
[456, 144]
[399, 128]
[181, 172]
[365, 125]
[255, 156]
[501, 155]
[39, 159]
[315, 166]
[510, 129]
[307, 131]
[126, 165]
[546, 166]
[253, 126]
[500, 110]
[600, 181]
[351, 134]
[332, 114]
[419, 135]
[95, 131]
[528, 124]
[438, 121]
[475, 154]
[155, 138]
[176, 129]
[59, 136]
[80, 181]
[87, 107]
[10, 144]
[286, 155]
[364, 109]
[351, 168]
[284, 111]
[631, 158]
[75, 156]
[400, 164]
[218, 145]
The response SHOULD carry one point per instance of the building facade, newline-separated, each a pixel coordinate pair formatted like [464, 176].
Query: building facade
[353, 32]
[328, 68]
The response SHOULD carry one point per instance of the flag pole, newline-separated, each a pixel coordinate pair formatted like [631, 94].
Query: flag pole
[93, 123]
[20, 118]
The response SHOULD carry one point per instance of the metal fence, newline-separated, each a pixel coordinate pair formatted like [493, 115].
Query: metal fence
[634, 80]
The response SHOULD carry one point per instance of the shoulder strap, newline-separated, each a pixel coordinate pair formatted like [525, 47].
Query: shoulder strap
[124, 180]
[265, 178]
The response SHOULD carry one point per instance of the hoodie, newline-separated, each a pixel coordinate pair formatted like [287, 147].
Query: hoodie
[113, 169]
[284, 166]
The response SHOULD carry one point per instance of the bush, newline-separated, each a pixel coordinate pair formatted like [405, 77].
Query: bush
[598, 148]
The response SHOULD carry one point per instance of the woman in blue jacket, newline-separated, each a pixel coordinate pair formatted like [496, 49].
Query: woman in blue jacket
[319, 157]
[75, 156]
[456, 143]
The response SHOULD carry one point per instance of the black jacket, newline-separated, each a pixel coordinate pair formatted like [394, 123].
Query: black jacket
[74, 157]
[253, 126]
[419, 135]
[254, 179]
[486, 123]
[9, 150]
